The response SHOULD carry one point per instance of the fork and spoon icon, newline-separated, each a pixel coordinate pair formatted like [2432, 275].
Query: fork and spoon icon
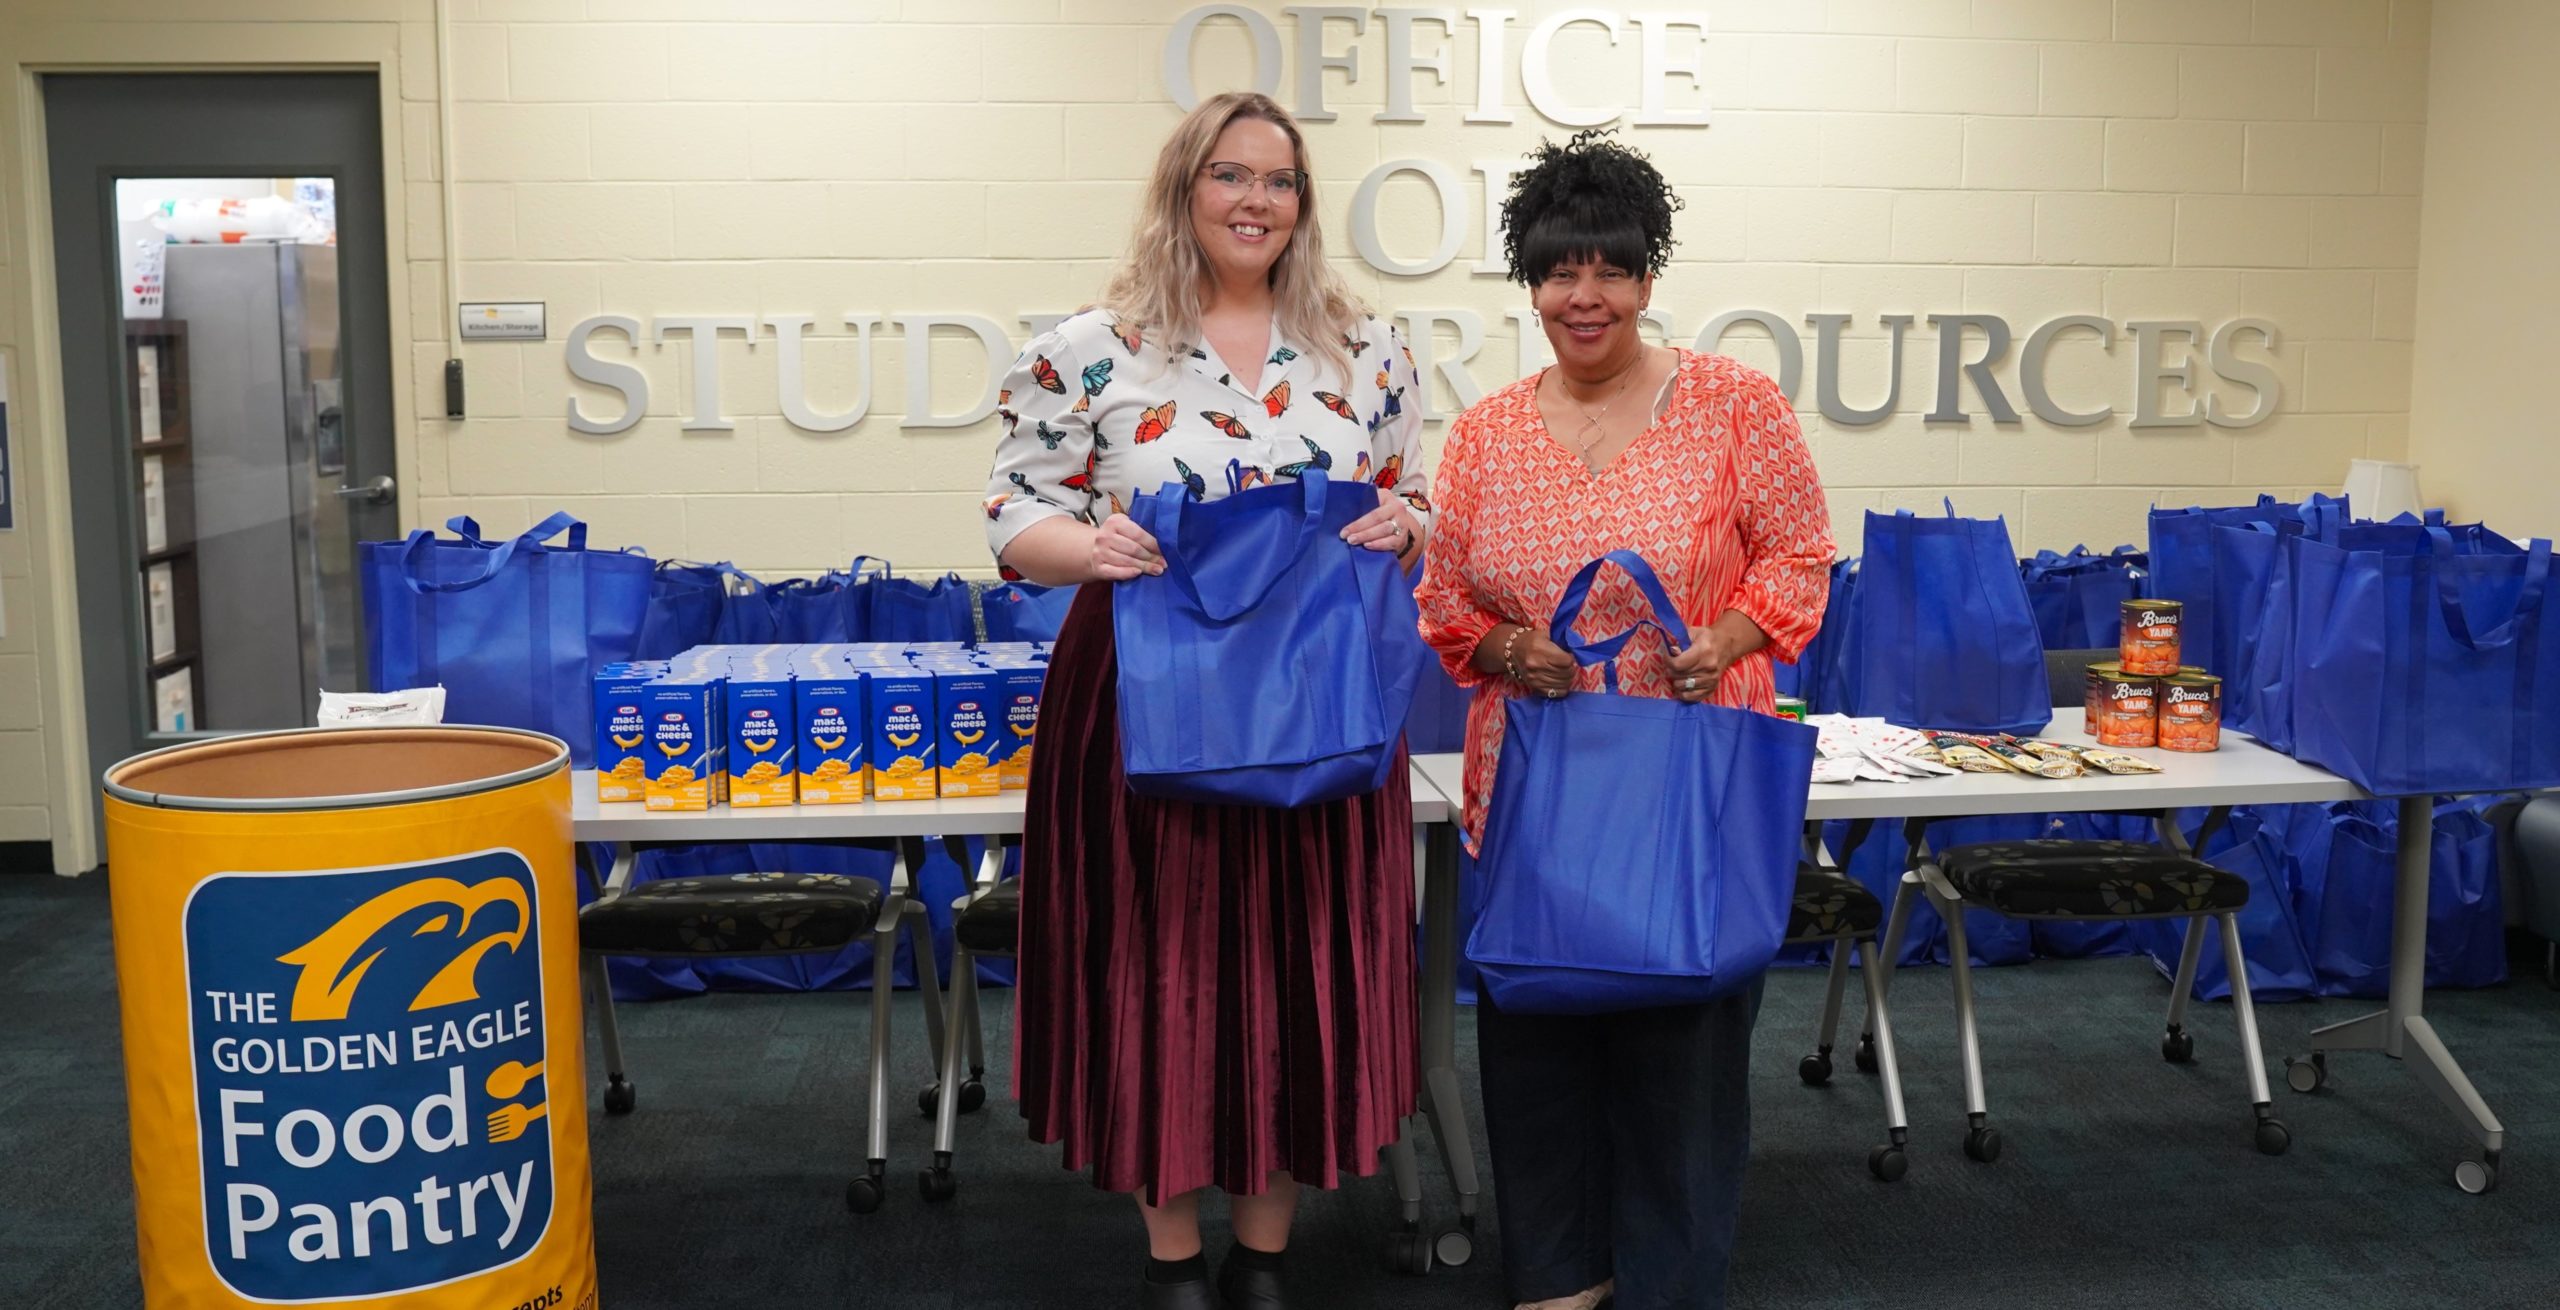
[508, 1122]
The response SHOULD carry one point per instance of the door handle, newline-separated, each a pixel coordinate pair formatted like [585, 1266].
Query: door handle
[377, 491]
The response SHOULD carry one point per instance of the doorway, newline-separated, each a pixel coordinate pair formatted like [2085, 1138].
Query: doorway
[224, 296]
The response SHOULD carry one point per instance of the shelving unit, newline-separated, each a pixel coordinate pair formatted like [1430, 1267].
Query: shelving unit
[164, 519]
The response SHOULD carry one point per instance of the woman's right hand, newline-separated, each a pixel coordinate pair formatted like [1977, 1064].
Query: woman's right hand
[1123, 550]
[1544, 667]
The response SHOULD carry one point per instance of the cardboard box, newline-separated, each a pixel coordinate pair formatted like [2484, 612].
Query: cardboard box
[969, 721]
[622, 732]
[1018, 695]
[685, 749]
[831, 731]
[904, 731]
[763, 740]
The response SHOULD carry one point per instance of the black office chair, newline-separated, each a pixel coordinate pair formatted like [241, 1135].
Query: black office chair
[728, 916]
[1829, 906]
[2087, 880]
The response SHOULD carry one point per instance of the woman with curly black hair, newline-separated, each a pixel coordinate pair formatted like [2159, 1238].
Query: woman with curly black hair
[1618, 1140]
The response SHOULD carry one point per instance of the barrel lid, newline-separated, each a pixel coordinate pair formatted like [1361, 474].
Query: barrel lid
[299, 769]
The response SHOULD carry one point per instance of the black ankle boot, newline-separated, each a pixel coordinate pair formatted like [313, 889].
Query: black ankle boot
[1250, 1280]
[1190, 1293]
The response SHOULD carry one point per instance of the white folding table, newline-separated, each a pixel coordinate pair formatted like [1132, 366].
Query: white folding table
[2243, 772]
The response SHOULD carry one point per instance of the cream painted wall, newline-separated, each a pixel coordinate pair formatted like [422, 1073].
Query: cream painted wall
[2197, 159]
[2482, 426]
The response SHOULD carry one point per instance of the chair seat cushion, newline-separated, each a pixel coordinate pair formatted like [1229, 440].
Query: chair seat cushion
[734, 914]
[1829, 905]
[992, 924]
[2089, 880]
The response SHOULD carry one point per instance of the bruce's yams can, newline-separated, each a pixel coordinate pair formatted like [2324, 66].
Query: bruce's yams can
[2150, 644]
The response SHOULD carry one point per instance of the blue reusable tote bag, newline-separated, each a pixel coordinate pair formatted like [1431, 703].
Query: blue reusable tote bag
[1598, 895]
[2428, 672]
[1025, 611]
[2271, 937]
[2354, 848]
[509, 630]
[2079, 597]
[2184, 569]
[1941, 633]
[749, 616]
[685, 601]
[903, 609]
[1271, 663]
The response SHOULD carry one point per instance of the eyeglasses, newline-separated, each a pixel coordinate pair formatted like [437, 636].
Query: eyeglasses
[1283, 185]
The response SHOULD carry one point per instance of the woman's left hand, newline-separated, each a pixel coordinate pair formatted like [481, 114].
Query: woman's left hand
[1695, 672]
[1390, 527]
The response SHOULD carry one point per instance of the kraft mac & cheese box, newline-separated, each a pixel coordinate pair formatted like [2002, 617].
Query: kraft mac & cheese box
[622, 731]
[904, 730]
[1018, 700]
[763, 739]
[685, 743]
[831, 729]
[969, 720]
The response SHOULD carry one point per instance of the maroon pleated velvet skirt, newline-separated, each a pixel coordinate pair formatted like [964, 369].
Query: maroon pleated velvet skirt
[1206, 993]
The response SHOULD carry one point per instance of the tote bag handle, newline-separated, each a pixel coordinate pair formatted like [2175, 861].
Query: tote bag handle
[1665, 618]
[494, 561]
[1271, 544]
[2528, 612]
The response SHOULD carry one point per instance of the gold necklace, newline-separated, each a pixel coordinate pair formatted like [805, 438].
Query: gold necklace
[1591, 421]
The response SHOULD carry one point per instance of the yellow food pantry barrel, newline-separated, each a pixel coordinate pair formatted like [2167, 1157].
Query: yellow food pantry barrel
[348, 960]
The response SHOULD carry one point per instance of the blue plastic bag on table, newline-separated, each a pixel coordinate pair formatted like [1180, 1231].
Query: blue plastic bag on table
[2349, 853]
[903, 609]
[685, 604]
[2428, 672]
[1940, 631]
[2271, 936]
[1597, 896]
[2183, 569]
[1025, 611]
[1815, 676]
[1270, 663]
[509, 629]
[2078, 597]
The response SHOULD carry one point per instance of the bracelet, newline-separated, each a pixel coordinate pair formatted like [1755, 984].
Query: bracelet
[1507, 644]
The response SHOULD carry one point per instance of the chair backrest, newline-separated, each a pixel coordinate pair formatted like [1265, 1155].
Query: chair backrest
[2066, 673]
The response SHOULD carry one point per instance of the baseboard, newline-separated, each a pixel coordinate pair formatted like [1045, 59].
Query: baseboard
[26, 857]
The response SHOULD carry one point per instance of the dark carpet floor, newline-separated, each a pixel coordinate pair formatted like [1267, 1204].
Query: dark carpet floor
[2126, 1182]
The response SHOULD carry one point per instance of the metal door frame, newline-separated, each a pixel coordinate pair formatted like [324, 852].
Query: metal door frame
[79, 199]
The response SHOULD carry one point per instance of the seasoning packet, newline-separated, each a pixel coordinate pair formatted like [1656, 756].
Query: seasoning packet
[1961, 753]
[2113, 761]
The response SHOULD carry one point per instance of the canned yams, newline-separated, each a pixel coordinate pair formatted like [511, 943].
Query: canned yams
[2149, 647]
[2191, 713]
[2128, 711]
[2089, 699]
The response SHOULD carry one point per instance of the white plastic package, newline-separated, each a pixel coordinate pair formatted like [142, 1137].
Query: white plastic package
[381, 709]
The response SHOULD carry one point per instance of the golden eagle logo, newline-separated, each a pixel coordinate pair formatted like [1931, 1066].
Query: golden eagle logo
[334, 963]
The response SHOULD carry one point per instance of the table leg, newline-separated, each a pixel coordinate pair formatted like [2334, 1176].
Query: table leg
[1439, 1026]
[2401, 1028]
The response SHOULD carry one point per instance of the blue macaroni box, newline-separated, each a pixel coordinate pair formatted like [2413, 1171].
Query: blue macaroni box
[763, 739]
[1018, 699]
[622, 732]
[686, 745]
[904, 731]
[968, 720]
[831, 731]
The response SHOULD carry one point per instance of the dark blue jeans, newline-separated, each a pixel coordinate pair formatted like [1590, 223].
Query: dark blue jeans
[1618, 1143]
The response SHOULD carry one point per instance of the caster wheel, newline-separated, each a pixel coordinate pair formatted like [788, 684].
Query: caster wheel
[929, 1100]
[2475, 1177]
[864, 1195]
[936, 1185]
[973, 1096]
[1866, 1057]
[2306, 1075]
[1815, 1069]
[2178, 1048]
[1453, 1248]
[1983, 1144]
[620, 1096]
[1888, 1163]
[1409, 1252]
[2272, 1137]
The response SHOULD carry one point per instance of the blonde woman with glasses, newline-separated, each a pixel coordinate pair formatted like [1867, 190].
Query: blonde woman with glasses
[1209, 996]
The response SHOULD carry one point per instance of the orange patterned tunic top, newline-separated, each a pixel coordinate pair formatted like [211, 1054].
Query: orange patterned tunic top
[1719, 495]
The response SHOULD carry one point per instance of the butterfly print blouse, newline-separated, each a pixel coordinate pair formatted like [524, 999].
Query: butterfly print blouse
[1719, 495]
[1094, 414]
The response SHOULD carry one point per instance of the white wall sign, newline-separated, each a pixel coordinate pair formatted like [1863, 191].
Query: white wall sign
[512, 320]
